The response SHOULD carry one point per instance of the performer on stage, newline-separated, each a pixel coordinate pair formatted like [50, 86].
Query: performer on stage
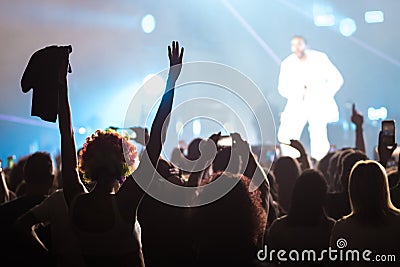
[309, 82]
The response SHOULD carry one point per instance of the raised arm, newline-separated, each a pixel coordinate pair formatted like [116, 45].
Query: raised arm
[130, 191]
[161, 121]
[253, 170]
[304, 160]
[4, 192]
[69, 164]
[358, 119]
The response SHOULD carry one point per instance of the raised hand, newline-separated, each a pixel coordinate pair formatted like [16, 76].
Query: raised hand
[299, 146]
[356, 117]
[303, 159]
[215, 137]
[175, 60]
[385, 152]
[240, 145]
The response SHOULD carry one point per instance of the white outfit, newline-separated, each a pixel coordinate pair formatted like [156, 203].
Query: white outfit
[309, 87]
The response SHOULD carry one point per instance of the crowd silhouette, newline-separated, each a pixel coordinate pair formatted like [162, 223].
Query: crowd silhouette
[91, 207]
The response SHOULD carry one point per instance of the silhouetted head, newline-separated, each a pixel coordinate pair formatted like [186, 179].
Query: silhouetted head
[106, 157]
[348, 161]
[286, 171]
[335, 167]
[323, 166]
[17, 174]
[369, 191]
[231, 225]
[308, 198]
[274, 188]
[225, 160]
[393, 177]
[298, 46]
[38, 172]
[193, 151]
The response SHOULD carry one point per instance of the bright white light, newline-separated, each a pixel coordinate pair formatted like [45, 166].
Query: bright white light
[196, 127]
[148, 23]
[375, 114]
[347, 27]
[323, 15]
[82, 130]
[153, 84]
[374, 17]
[324, 20]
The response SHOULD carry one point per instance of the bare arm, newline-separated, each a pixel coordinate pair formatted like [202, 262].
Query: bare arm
[253, 170]
[4, 192]
[358, 119]
[24, 226]
[304, 160]
[130, 192]
[71, 183]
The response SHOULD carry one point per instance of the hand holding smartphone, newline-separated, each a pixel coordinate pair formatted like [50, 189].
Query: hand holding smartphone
[388, 132]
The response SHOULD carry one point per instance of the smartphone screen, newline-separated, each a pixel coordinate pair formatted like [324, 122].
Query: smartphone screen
[10, 162]
[388, 132]
[224, 141]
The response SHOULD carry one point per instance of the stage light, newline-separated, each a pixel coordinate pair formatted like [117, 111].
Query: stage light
[375, 114]
[148, 23]
[347, 27]
[196, 127]
[323, 15]
[374, 17]
[82, 130]
[324, 20]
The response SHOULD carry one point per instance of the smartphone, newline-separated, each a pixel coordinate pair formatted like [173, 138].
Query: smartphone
[224, 141]
[388, 132]
[10, 162]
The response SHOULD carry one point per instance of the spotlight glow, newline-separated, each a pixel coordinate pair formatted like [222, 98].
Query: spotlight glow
[148, 23]
[324, 20]
[374, 17]
[82, 130]
[347, 27]
[323, 15]
[375, 114]
[196, 127]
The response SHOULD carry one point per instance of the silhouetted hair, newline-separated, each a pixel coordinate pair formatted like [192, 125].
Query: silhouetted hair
[107, 156]
[323, 166]
[234, 223]
[38, 168]
[348, 161]
[286, 171]
[194, 149]
[308, 198]
[337, 167]
[17, 174]
[369, 192]
[226, 159]
[393, 177]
